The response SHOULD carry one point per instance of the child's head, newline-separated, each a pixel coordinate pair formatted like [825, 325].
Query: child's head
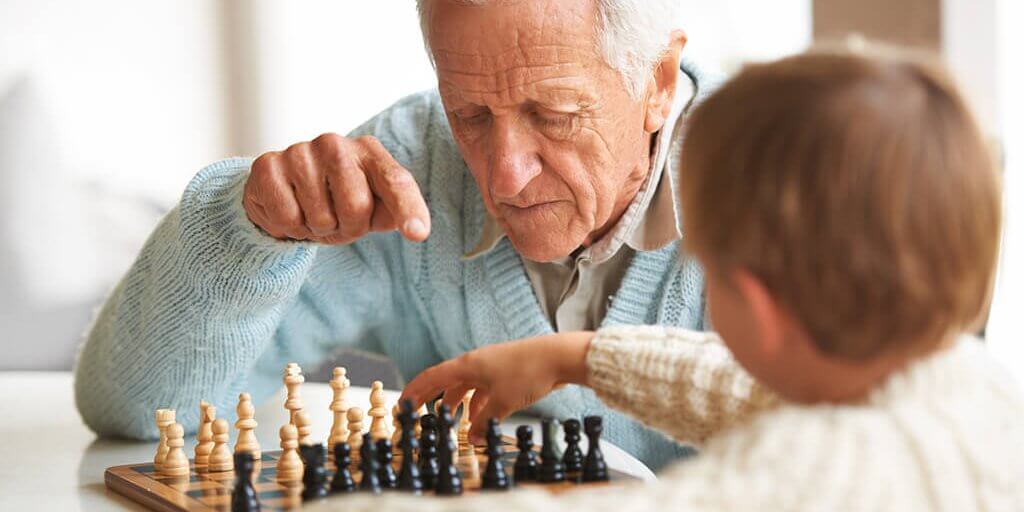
[846, 201]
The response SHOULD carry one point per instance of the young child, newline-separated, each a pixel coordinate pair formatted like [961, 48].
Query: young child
[847, 214]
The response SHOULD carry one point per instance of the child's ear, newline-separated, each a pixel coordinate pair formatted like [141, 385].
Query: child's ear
[661, 89]
[769, 318]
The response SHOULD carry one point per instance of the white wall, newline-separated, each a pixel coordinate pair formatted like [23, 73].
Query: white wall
[727, 34]
[327, 66]
[107, 107]
[1006, 327]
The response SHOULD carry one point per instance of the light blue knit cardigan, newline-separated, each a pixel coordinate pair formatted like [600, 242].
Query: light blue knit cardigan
[213, 307]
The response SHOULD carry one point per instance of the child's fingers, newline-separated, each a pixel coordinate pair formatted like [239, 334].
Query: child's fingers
[432, 382]
[454, 395]
[477, 404]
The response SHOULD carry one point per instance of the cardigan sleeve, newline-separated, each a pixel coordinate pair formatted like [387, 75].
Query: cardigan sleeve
[684, 383]
[200, 305]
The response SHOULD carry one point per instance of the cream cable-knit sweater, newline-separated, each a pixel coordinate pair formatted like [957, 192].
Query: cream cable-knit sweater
[946, 434]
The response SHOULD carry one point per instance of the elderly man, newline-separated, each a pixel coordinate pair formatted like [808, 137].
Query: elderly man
[531, 192]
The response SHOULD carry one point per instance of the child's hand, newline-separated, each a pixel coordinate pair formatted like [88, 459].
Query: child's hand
[506, 376]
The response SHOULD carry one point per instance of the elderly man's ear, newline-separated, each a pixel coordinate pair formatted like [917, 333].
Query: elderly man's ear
[661, 89]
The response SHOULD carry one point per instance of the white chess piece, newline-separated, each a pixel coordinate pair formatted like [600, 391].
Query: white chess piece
[465, 424]
[396, 428]
[164, 419]
[303, 424]
[355, 429]
[419, 428]
[204, 436]
[176, 462]
[289, 465]
[378, 412]
[339, 406]
[220, 457]
[246, 426]
[293, 379]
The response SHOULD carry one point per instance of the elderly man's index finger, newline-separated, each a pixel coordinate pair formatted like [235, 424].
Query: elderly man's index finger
[396, 187]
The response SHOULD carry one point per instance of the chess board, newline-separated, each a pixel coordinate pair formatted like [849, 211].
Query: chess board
[202, 491]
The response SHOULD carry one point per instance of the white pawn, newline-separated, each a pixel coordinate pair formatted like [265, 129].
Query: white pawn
[465, 424]
[176, 462]
[378, 411]
[396, 427]
[220, 457]
[164, 419]
[289, 465]
[355, 429]
[246, 426]
[339, 406]
[292, 380]
[303, 425]
[419, 428]
[204, 436]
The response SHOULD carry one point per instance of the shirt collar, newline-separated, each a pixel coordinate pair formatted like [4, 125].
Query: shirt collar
[650, 221]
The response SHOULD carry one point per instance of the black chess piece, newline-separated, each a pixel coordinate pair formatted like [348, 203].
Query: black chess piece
[573, 456]
[409, 474]
[388, 478]
[314, 475]
[428, 451]
[525, 469]
[368, 466]
[449, 480]
[594, 467]
[551, 468]
[243, 497]
[342, 482]
[494, 475]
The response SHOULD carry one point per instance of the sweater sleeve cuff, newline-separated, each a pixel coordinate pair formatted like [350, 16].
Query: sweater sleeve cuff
[619, 356]
[218, 190]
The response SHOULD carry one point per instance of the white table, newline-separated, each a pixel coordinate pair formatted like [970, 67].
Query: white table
[50, 461]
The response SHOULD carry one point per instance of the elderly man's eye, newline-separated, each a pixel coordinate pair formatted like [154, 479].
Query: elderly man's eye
[470, 124]
[473, 117]
[557, 126]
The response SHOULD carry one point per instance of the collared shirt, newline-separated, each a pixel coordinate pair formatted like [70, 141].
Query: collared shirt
[575, 291]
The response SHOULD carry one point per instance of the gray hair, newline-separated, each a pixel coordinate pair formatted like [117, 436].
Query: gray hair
[632, 34]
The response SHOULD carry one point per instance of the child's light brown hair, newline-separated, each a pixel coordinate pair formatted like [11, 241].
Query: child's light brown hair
[858, 189]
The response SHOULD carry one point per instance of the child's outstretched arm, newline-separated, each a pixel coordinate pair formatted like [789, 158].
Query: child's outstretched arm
[684, 383]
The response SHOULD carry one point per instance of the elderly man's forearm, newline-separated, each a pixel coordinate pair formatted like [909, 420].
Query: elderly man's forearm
[193, 313]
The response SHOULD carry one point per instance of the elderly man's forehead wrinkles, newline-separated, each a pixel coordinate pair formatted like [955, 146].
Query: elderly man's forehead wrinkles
[550, 74]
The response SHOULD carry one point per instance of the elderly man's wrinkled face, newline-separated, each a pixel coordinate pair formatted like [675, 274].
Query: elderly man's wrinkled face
[555, 142]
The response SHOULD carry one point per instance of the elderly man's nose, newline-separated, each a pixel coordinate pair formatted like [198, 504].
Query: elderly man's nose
[511, 174]
[514, 163]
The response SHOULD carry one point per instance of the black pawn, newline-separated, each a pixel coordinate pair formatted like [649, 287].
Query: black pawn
[243, 498]
[551, 468]
[314, 475]
[449, 481]
[526, 462]
[342, 482]
[494, 476]
[388, 478]
[594, 468]
[573, 456]
[368, 466]
[409, 475]
[428, 451]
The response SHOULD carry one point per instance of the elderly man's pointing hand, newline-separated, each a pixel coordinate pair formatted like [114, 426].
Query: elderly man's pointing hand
[334, 190]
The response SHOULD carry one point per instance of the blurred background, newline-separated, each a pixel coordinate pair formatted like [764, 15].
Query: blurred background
[108, 107]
